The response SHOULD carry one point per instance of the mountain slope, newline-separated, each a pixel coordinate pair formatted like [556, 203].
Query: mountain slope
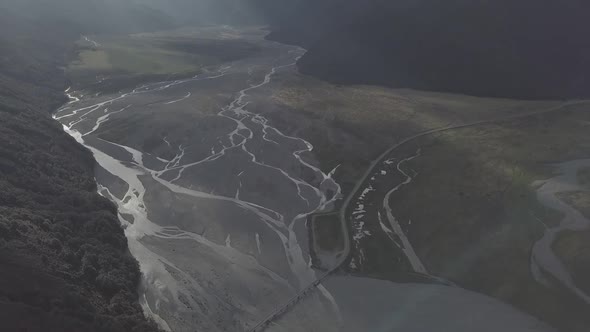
[521, 49]
[63, 255]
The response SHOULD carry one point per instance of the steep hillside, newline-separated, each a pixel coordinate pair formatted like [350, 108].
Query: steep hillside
[63, 255]
[522, 49]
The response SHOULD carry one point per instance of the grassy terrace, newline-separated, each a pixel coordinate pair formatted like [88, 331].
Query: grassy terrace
[352, 125]
[132, 55]
[151, 56]
[483, 217]
[473, 210]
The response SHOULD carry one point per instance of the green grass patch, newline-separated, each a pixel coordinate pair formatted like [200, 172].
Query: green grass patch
[137, 55]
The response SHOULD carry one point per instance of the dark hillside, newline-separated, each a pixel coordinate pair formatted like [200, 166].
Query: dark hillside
[64, 261]
[501, 48]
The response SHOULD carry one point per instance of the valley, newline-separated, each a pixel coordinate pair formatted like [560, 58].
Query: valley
[241, 182]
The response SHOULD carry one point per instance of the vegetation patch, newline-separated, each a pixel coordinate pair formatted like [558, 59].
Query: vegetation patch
[573, 248]
[327, 232]
[147, 54]
[483, 216]
[352, 125]
[133, 55]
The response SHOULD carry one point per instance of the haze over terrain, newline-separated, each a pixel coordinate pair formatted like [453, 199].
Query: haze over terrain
[294, 165]
[491, 48]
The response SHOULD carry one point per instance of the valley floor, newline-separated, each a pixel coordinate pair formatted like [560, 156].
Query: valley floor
[218, 171]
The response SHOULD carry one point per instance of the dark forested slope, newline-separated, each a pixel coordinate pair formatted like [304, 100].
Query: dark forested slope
[506, 48]
[64, 261]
